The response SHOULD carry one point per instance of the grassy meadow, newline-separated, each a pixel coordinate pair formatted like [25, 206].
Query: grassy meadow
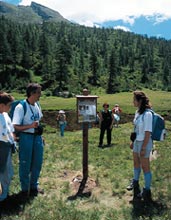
[110, 170]
[159, 99]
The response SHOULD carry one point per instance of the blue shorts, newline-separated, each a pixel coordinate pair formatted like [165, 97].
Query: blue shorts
[138, 145]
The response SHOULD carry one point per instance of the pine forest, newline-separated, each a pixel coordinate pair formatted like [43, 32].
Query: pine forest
[68, 57]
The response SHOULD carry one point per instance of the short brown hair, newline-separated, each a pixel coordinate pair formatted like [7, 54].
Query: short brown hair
[32, 88]
[106, 104]
[5, 98]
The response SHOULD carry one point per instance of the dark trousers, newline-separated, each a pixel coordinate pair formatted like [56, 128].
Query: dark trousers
[102, 132]
[5, 150]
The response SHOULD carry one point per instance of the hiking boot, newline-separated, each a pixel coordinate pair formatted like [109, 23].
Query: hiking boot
[136, 192]
[23, 196]
[100, 145]
[35, 192]
[146, 195]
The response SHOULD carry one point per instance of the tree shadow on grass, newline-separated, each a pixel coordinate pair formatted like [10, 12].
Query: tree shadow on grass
[143, 210]
[14, 204]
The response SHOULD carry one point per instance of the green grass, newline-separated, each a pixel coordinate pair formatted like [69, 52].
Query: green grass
[159, 99]
[109, 168]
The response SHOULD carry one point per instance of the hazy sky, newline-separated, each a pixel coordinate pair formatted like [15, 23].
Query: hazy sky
[89, 11]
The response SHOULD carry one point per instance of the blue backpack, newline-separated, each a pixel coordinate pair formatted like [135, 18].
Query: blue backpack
[14, 104]
[158, 127]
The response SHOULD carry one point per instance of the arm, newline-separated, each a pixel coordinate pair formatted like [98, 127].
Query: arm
[147, 131]
[145, 142]
[112, 121]
[100, 116]
[57, 118]
[25, 127]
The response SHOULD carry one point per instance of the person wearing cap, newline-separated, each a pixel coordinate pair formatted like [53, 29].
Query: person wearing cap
[61, 119]
[116, 113]
[106, 124]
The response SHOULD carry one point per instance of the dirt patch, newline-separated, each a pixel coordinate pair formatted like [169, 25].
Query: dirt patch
[75, 181]
[49, 117]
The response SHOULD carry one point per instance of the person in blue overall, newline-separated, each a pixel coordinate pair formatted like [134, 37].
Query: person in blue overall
[61, 119]
[30, 141]
[6, 143]
[106, 124]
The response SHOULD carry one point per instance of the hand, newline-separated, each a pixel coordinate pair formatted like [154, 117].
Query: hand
[143, 151]
[35, 124]
[131, 145]
[43, 140]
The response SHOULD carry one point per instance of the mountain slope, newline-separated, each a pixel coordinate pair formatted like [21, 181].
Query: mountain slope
[35, 13]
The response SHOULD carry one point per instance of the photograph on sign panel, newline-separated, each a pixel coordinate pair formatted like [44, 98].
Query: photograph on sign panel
[87, 110]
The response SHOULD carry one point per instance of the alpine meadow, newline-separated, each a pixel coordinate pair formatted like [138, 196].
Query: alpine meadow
[38, 45]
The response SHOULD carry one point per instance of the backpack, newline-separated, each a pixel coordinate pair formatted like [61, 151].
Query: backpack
[158, 127]
[14, 104]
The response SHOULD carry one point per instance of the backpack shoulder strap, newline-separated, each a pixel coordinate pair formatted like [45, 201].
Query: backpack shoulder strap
[23, 103]
[147, 110]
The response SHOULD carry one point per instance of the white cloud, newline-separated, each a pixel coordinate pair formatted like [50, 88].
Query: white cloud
[157, 18]
[122, 28]
[91, 11]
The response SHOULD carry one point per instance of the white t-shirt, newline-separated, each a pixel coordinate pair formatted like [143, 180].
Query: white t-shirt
[142, 123]
[33, 113]
[6, 128]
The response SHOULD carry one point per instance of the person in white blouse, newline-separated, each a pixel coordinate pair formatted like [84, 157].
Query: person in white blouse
[142, 146]
[6, 143]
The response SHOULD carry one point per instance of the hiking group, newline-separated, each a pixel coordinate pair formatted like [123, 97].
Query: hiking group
[26, 125]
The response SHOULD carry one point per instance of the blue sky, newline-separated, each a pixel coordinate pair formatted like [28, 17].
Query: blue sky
[139, 16]
[14, 2]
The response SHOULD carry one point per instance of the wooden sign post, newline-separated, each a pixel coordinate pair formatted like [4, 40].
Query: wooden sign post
[86, 113]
